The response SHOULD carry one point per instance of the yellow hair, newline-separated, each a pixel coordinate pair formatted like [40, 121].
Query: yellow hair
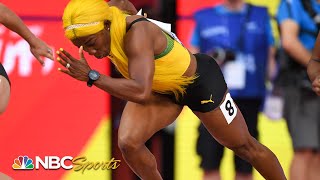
[166, 79]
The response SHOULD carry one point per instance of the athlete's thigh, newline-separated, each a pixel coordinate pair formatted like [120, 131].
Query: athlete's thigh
[141, 121]
[226, 124]
[4, 93]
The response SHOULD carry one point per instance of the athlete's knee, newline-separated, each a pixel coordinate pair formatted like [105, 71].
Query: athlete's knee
[127, 144]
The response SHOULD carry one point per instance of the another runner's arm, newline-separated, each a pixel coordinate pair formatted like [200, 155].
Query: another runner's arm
[138, 46]
[13, 22]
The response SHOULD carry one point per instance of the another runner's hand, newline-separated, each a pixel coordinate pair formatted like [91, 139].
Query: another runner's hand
[316, 85]
[78, 69]
[40, 49]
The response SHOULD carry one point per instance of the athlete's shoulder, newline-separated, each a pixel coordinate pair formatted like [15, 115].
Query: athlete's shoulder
[139, 30]
[131, 19]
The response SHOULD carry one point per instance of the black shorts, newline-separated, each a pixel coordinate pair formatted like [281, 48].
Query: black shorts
[208, 90]
[4, 73]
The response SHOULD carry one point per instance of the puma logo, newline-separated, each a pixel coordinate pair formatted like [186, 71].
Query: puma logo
[207, 101]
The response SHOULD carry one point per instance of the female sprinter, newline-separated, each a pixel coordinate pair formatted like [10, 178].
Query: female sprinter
[161, 76]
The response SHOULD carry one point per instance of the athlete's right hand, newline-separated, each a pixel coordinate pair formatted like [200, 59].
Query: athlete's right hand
[76, 68]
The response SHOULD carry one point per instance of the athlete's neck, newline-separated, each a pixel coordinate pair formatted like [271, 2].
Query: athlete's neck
[234, 5]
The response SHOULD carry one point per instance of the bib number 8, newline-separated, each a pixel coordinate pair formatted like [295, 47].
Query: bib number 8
[228, 109]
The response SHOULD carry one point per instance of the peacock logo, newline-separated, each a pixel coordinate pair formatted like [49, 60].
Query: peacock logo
[22, 162]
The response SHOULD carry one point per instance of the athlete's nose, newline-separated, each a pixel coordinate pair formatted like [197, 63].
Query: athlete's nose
[92, 51]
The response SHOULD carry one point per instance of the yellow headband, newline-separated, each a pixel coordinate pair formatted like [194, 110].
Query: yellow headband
[76, 26]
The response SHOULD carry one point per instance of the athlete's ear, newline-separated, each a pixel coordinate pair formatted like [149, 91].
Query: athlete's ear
[107, 25]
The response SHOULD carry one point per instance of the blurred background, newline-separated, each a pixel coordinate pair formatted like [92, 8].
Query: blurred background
[51, 114]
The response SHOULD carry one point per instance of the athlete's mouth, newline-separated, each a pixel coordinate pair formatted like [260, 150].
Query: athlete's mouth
[100, 56]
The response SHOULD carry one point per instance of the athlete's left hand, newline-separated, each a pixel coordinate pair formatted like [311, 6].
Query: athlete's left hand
[76, 68]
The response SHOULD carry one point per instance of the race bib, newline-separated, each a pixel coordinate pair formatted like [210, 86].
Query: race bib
[229, 109]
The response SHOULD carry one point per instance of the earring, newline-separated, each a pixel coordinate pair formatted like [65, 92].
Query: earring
[108, 29]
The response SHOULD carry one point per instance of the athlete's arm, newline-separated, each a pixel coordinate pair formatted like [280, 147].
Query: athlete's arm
[10, 20]
[124, 5]
[314, 66]
[138, 45]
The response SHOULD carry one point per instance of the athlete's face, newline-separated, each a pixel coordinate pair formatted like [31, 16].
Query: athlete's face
[97, 44]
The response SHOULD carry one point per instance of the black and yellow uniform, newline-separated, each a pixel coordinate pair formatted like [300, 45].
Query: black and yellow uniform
[207, 90]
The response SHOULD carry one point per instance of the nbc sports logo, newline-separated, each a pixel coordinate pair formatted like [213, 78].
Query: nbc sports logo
[22, 162]
[66, 162]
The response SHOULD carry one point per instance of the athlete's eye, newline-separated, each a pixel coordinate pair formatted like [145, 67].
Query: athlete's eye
[90, 43]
